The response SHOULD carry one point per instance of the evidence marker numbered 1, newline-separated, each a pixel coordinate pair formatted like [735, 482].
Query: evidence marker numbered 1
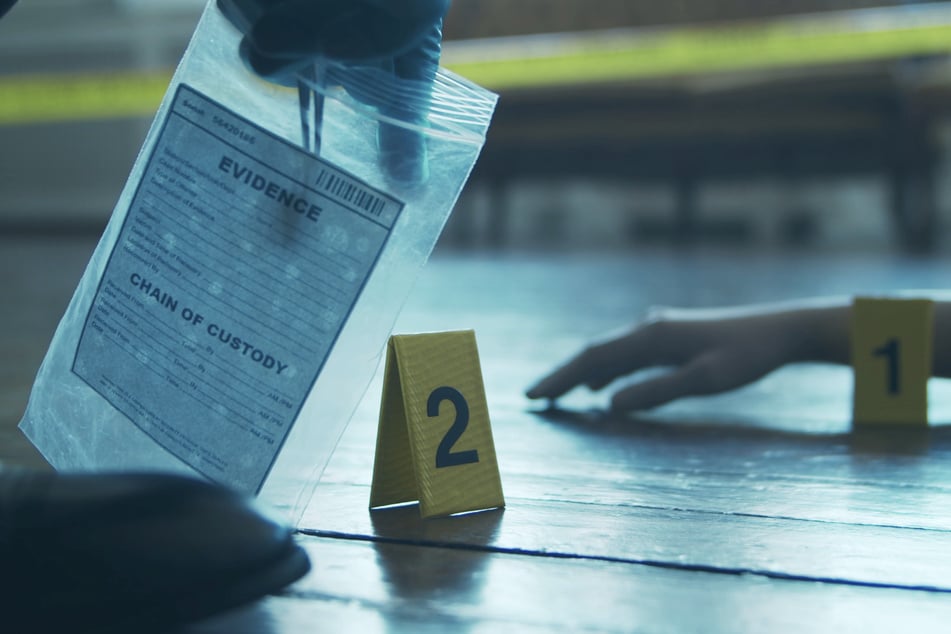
[434, 442]
[891, 343]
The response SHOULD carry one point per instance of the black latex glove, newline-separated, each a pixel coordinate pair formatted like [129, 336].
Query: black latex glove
[6, 5]
[282, 36]
[403, 37]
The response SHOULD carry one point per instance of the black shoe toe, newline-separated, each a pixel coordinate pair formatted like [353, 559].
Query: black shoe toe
[144, 551]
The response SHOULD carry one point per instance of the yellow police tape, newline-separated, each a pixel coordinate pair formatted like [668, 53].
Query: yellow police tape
[55, 98]
[698, 51]
[579, 58]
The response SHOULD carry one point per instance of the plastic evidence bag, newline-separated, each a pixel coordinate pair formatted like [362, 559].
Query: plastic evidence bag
[238, 303]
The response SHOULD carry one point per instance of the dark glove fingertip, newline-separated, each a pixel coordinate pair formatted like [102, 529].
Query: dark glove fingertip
[278, 71]
[403, 154]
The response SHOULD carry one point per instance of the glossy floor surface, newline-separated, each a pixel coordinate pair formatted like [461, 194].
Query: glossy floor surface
[760, 510]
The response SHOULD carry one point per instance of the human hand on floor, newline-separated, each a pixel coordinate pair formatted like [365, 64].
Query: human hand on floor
[705, 351]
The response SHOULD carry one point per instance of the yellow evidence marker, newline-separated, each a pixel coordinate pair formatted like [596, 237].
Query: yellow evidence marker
[434, 442]
[891, 344]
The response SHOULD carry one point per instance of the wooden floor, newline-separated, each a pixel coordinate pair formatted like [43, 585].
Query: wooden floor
[758, 511]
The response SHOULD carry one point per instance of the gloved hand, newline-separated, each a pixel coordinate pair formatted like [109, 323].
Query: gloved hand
[282, 36]
[402, 37]
[6, 5]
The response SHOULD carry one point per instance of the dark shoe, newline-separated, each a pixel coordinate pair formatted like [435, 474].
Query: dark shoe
[132, 552]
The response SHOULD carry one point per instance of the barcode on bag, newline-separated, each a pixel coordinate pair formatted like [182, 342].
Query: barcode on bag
[347, 191]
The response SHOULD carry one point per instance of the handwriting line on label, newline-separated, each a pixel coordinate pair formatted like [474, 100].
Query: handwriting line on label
[228, 375]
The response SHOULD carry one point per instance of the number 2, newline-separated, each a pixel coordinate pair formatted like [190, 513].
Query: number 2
[445, 457]
[892, 351]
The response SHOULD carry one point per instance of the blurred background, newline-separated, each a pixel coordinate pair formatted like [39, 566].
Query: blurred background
[702, 152]
[808, 124]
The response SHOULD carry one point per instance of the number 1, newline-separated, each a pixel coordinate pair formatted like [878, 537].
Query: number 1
[891, 350]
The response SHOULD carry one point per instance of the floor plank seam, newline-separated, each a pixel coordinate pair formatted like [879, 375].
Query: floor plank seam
[789, 518]
[652, 563]
[406, 609]
[780, 478]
